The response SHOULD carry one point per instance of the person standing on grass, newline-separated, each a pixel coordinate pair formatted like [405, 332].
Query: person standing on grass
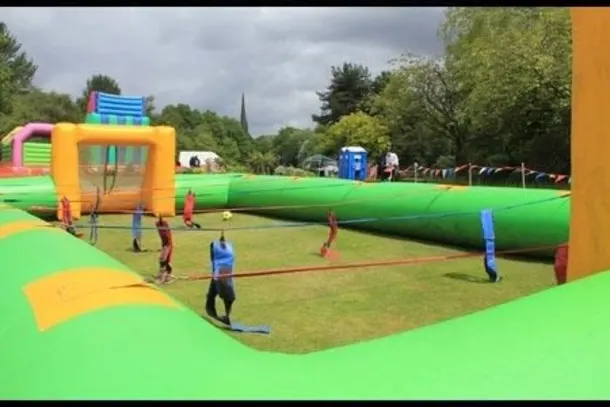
[66, 216]
[136, 228]
[332, 232]
[357, 168]
[189, 209]
[392, 165]
[381, 164]
[222, 259]
[93, 218]
[167, 249]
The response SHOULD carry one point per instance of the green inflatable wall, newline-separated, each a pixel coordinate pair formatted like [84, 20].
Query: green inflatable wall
[36, 154]
[551, 345]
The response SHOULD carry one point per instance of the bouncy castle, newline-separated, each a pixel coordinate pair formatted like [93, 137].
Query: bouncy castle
[104, 108]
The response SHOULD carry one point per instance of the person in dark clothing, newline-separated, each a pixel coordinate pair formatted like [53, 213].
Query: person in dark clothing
[221, 284]
[194, 162]
[381, 173]
[357, 169]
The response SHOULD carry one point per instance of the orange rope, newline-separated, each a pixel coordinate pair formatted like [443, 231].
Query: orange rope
[379, 263]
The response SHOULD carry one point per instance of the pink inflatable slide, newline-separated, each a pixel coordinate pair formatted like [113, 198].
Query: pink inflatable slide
[23, 135]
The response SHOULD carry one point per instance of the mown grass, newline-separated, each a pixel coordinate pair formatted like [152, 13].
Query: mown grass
[317, 310]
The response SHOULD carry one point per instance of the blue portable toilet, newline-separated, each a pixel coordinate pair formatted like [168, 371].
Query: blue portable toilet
[353, 163]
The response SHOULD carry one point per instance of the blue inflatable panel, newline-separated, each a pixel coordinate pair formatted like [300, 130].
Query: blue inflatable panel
[108, 104]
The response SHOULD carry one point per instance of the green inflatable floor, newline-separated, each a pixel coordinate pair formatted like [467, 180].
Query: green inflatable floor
[551, 345]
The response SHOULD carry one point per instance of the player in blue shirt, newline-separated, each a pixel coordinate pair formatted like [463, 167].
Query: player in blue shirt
[136, 227]
[222, 260]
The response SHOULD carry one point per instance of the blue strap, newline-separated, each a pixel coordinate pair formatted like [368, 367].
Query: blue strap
[489, 237]
[487, 222]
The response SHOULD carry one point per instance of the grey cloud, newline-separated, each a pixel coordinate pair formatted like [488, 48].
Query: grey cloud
[207, 57]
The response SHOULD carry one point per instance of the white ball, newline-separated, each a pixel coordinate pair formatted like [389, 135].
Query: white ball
[227, 215]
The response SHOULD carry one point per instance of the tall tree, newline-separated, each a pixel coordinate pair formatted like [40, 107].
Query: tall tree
[349, 87]
[380, 82]
[358, 129]
[515, 63]
[41, 106]
[264, 143]
[97, 83]
[242, 118]
[288, 142]
[377, 86]
[261, 163]
[198, 130]
[149, 106]
[17, 70]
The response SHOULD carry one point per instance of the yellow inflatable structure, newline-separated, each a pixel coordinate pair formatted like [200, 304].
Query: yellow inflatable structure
[153, 185]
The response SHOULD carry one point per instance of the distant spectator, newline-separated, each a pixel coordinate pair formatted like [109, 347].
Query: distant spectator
[194, 162]
[391, 162]
[381, 174]
[357, 168]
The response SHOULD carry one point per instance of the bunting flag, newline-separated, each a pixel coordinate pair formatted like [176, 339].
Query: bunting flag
[540, 176]
[560, 178]
[486, 171]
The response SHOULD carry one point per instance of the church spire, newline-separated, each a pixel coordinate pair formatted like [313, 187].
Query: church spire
[243, 119]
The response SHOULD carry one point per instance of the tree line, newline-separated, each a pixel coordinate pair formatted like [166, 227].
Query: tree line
[499, 95]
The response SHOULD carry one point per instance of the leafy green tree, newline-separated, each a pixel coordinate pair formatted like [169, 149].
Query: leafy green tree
[287, 144]
[180, 116]
[17, 70]
[262, 163]
[207, 131]
[359, 129]
[149, 106]
[349, 87]
[41, 106]
[264, 143]
[97, 83]
[516, 65]
[378, 85]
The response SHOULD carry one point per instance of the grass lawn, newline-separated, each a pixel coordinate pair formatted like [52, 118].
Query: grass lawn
[317, 310]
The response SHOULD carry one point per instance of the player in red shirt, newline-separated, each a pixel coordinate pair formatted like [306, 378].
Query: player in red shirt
[66, 216]
[332, 233]
[167, 248]
[189, 208]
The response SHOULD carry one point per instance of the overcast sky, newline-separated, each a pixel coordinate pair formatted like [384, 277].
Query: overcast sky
[206, 57]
